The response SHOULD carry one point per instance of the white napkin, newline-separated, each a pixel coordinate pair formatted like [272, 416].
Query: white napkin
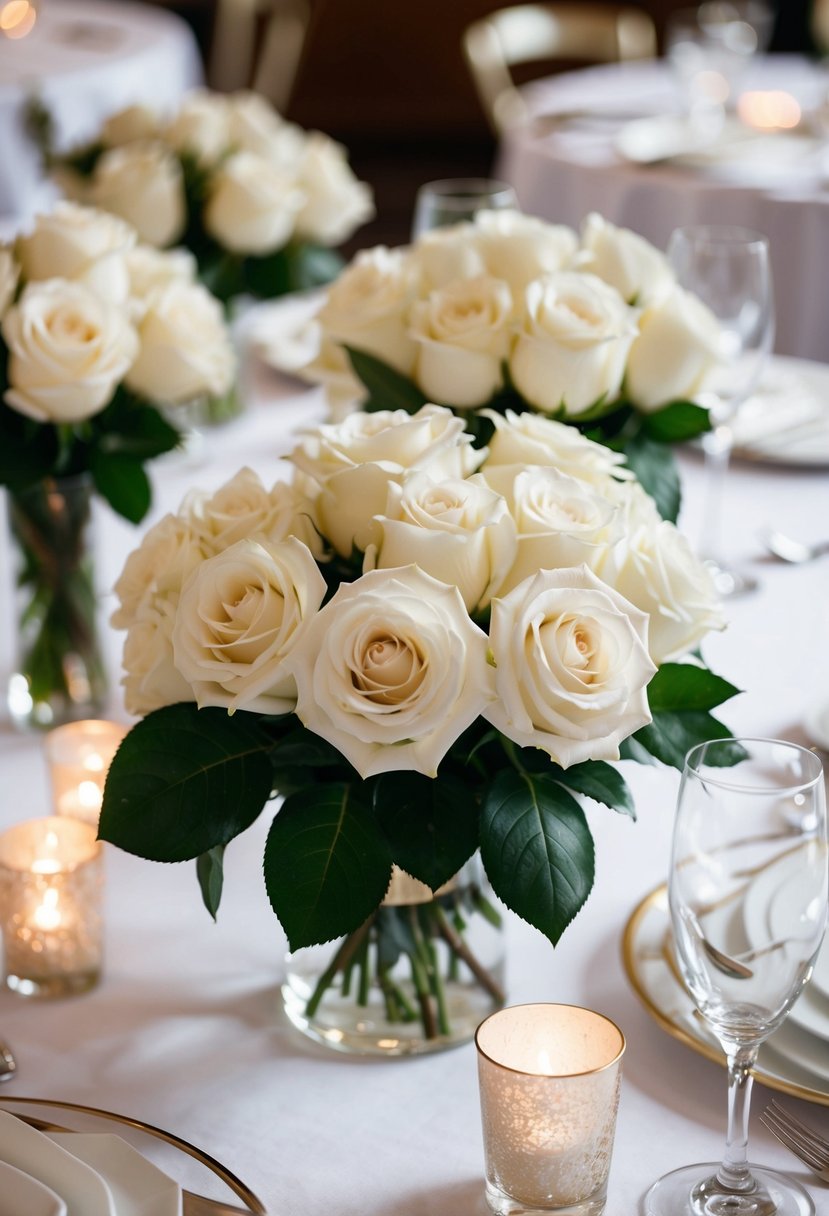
[786, 416]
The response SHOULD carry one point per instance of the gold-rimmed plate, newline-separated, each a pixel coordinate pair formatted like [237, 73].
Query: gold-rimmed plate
[649, 963]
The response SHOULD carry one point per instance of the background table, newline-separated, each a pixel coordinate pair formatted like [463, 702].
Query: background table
[186, 1029]
[85, 59]
[561, 171]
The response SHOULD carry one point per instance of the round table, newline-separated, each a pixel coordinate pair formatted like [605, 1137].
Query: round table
[564, 167]
[85, 59]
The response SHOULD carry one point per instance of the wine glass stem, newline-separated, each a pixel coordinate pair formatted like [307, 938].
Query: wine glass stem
[734, 1174]
[717, 444]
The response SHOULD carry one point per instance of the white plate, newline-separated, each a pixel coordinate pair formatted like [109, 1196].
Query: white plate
[786, 420]
[84, 1193]
[22, 1195]
[138, 1187]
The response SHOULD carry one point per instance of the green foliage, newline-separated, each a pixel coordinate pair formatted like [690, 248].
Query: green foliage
[431, 826]
[388, 389]
[210, 873]
[655, 468]
[676, 422]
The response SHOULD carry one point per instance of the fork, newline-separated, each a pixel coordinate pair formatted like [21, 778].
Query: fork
[806, 1144]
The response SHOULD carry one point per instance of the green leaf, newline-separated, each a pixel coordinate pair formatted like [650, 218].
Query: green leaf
[28, 450]
[672, 734]
[631, 749]
[431, 826]
[300, 746]
[131, 428]
[121, 480]
[184, 781]
[655, 467]
[537, 850]
[600, 781]
[388, 388]
[327, 863]
[681, 686]
[210, 873]
[676, 422]
[313, 266]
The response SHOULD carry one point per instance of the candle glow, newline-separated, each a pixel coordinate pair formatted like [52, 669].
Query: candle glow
[769, 110]
[79, 755]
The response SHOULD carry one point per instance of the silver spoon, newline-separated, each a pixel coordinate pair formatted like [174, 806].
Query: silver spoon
[8, 1064]
[789, 549]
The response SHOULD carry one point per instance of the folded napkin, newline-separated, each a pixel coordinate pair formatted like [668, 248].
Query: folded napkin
[786, 417]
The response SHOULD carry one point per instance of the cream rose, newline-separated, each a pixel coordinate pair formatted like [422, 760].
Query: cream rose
[463, 333]
[392, 671]
[156, 570]
[367, 307]
[354, 461]
[143, 183]
[572, 350]
[680, 342]
[243, 507]
[68, 351]
[331, 367]
[458, 531]
[560, 521]
[80, 244]
[640, 273]
[9, 274]
[444, 254]
[658, 571]
[239, 617]
[201, 128]
[571, 666]
[524, 439]
[185, 350]
[519, 248]
[151, 678]
[130, 124]
[256, 127]
[335, 201]
[151, 270]
[252, 207]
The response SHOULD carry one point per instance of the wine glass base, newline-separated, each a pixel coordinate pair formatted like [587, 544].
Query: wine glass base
[686, 1192]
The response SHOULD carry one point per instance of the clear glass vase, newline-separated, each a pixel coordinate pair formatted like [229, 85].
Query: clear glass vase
[419, 976]
[58, 672]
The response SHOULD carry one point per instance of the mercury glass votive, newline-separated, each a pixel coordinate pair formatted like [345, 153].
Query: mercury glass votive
[51, 894]
[79, 755]
[549, 1079]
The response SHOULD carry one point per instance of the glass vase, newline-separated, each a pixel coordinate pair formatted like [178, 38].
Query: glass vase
[419, 976]
[58, 672]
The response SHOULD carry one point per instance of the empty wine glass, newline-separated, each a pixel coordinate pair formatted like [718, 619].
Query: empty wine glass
[456, 199]
[748, 899]
[729, 269]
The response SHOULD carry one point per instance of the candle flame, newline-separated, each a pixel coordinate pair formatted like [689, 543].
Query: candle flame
[89, 795]
[770, 110]
[47, 914]
[49, 863]
[17, 18]
[93, 762]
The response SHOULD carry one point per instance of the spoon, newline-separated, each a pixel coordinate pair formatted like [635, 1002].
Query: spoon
[8, 1064]
[789, 549]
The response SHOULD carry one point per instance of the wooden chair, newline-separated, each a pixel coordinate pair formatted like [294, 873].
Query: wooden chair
[529, 33]
[257, 44]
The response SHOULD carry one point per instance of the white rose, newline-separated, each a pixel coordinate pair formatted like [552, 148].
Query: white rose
[519, 248]
[331, 367]
[156, 570]
[524, 439]
[354, 461]
[256, 127]
[576, 336]
[640, 273]
[151, 269]
[252, 207]
[458, 531]
[143, 183]
[392, 671]
[151, 678]
[679, 343]
[9, 274]
[335, 201]
[130, 124]
[239, 617]
[81, 244]
[572, 666]
[68, 351]
[444, 254]
[242, 508]
[658, 572]
[367, 307]
[201, 128]
[560, 521]
[185, 350]
[463, 333]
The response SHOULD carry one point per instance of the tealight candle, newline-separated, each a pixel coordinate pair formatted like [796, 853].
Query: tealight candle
[51, 886]
[79, 755]
[549, 1079]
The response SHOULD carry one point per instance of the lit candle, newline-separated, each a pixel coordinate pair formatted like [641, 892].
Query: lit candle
[17, 18]
[79, 755]
[549, 1079]
[51, 886]
[769, 110]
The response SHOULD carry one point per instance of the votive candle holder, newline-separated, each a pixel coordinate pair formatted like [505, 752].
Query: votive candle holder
[79, 755]
[549, 1080]
[51, 897]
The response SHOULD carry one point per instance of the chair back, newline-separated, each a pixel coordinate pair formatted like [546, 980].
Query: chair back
[257, 44]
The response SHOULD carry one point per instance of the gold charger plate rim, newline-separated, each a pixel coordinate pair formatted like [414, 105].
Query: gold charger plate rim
[629, 960]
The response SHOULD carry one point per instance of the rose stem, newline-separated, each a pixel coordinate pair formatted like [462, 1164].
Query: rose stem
[340, 960]
[364, 974]
[460, 947]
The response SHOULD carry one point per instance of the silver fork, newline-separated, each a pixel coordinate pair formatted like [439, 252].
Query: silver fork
[806, 1144]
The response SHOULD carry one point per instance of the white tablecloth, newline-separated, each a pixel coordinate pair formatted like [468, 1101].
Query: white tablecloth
[85, 59]
[186, 1030]
[563, 173]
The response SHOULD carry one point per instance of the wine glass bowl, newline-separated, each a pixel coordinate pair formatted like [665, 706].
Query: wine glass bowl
[454, 200]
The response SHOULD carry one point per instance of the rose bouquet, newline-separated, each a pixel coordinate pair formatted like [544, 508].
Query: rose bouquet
[428, 648]
[511, 312]
[101, 338]
[259, 202]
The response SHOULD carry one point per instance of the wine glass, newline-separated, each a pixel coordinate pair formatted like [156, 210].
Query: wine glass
[456, 199]
[728, 268]
[748, 895]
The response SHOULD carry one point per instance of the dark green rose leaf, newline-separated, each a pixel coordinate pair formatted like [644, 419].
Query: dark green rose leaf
[121, 480]
[130, 428]
[684, 686]
[537, 850]
[630, 749]
[300, 746]
[388, 388]
[313, 266]
[184, 781]
[431, 825]
[28, 449]
[210, 873]
[676, 422]
[601, 782]
[655, 467]
[327, 863]
[671, 735]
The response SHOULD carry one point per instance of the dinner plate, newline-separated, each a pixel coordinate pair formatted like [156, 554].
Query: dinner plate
[23, 1195]
[137, 1186]
[786, 419]
[77, 1183]
[653, 976]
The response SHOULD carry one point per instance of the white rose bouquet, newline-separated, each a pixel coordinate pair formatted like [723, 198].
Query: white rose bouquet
[100, 339]
[429, 648]
[510, 312]
[258, 201]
